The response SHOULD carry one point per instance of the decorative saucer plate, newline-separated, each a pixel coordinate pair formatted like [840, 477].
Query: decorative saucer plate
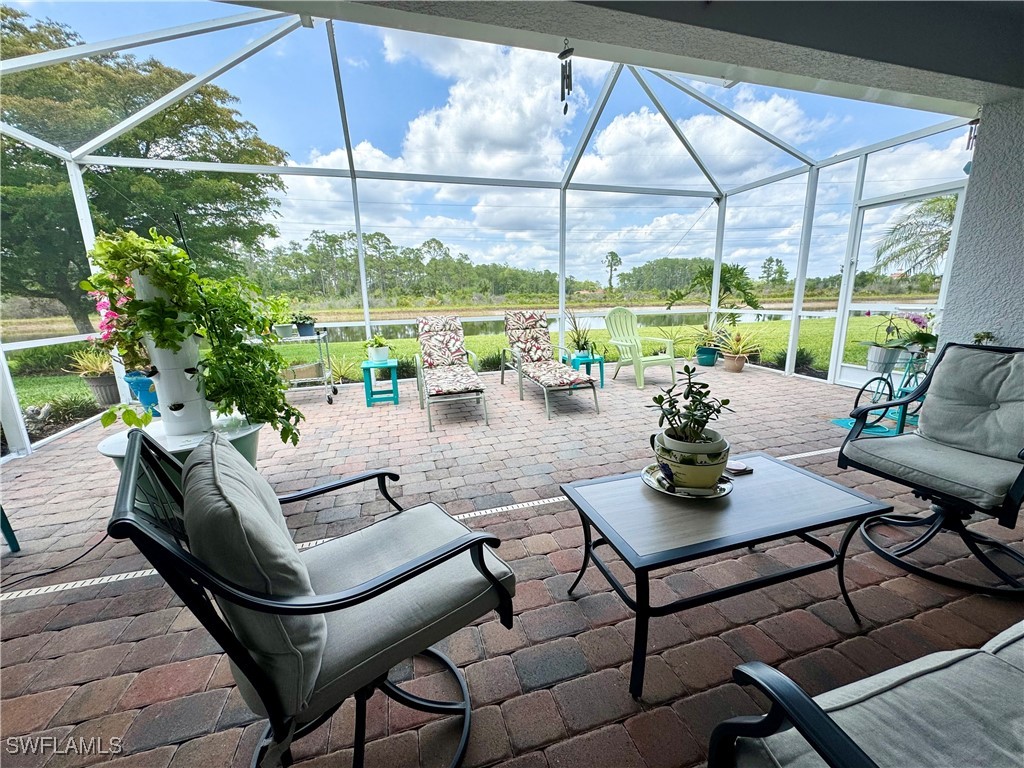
[652, 477]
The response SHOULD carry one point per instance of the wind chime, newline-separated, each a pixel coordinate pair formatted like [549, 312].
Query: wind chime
[566, 58]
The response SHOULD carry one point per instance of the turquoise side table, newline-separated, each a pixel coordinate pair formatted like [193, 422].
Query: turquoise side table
[380, 395]
[587, 360]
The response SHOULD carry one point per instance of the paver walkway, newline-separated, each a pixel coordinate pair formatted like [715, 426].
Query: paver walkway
[125, 660]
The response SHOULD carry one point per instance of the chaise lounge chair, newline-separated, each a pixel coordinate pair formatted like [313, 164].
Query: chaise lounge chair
[530, 354]
[443, 373]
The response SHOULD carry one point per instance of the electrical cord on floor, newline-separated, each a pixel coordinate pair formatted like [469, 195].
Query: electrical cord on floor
[10, 584]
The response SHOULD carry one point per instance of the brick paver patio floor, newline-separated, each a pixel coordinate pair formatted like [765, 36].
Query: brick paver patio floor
[125, 659]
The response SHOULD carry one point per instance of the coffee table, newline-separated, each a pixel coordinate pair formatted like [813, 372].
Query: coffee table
[651, 530]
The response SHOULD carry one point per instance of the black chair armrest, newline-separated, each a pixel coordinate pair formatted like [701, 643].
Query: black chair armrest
[789, 704]
[380, 475]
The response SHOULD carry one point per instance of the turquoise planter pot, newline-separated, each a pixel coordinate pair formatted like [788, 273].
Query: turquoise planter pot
[707, 356]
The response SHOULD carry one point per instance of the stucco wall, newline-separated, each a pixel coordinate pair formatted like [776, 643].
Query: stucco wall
[986, 288]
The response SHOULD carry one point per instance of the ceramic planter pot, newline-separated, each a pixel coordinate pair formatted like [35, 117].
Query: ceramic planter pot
[707, 355]
[306, 329]
[733, 363]
[104, 388]
[285, 330]
[691, 465]
[884, 359]
[378, 354]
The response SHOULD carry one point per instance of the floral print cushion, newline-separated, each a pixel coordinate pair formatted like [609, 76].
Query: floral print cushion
[441, 341]
[451, 380]
[551, 373]
[527, 332]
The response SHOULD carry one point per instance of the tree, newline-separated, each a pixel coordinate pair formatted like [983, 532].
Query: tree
[774, 272]
[919, 240]
[612, 262]
[224, 215]
[735, 289]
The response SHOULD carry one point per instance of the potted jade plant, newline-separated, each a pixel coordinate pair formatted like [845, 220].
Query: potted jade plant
[377, 349]
[159, 311]
[736, 348]
[689, 454]
[578, 335]
[304, 324]
[96, 368]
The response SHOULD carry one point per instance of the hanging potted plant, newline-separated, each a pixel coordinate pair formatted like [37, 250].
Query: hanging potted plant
[160, 303]
[304, 324]
[736, 348]
[97, 370]
[377, 349]
[689, 454]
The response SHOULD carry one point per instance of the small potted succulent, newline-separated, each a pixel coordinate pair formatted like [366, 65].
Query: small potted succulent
[689, 454]
[96, 368]
[736, 348]
[304, 323]
[377, 349]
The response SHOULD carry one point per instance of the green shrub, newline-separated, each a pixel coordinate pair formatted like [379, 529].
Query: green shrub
[72, 408]
[54, 358]
[490, 361]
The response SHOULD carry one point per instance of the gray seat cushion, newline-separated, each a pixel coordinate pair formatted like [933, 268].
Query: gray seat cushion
[981, 480]
[1008, 645]
[235, 526]
[975, 403]
[957, 708]
[365, 641]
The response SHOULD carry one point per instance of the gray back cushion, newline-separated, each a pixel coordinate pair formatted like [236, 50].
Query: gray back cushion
[975, 402]
[235, 526]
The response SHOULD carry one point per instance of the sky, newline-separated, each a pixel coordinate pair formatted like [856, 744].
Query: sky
[423, 104]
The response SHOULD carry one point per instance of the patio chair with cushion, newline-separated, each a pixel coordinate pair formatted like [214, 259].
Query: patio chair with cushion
[624, 330]
[305, 630]
[966, 457]
[443, 369]
[530, 355]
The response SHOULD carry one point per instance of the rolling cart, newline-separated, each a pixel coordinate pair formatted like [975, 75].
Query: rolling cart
[317, 373]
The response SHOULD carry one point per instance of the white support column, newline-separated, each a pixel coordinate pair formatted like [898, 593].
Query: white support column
[561, 266]
[10, 413]
[947, 270]
[360, 251]
[849, 272]
[716, 280]
[806, 230]
[81, 199]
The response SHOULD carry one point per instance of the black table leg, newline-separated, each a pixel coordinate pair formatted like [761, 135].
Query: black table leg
[844, 545]
[643, 617]
[587, 546]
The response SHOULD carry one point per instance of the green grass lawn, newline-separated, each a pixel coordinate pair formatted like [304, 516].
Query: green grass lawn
[815, 337]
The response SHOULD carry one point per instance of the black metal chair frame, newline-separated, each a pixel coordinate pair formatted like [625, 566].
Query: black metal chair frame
[790, 707]
[156, 529]
[949, 513]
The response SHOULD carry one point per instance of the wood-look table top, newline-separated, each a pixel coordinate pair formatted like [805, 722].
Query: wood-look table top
[651, 529]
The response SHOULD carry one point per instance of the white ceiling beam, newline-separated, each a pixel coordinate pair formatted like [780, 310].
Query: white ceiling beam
[906, 138]
[210, 167]
[659, 191]
[768, 180]
[47, 58]
[676, 130]
[588, 129]
[185, 89]
[735, 117]
[480, 181]
[34, 141]
[912, 195]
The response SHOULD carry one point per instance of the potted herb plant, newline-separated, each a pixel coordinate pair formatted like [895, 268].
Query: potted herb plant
[304, 323]
[578, 335]
[736, 348]
[377, 349]
[158, 301]
[97, 370]
[689, 454]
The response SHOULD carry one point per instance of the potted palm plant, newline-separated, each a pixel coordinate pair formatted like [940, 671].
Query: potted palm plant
[158, 302]
[578, 335]
[96, 368]
[736, 348]
[689, 454]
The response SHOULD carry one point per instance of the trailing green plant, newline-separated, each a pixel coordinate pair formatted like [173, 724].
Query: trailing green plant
[91, 363]
[687, 413]
[578, 333]
[240, 370]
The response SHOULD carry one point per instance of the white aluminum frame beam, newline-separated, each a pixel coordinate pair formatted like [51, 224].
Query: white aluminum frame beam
[360, 250]
[659, 191]
[210, 167]
[849, 273]
[768, 180]
[34, 141]
[677, 131]
[735, 117]
[588, 129]
[716, 279]
[803, 256]
[562, 224]
[48, 58]
[905, 138]
[187, 88]
[909, 196]
[10, 412]
[940, 303]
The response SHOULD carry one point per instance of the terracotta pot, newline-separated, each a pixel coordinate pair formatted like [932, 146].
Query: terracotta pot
[734, 363]
[691, 465]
